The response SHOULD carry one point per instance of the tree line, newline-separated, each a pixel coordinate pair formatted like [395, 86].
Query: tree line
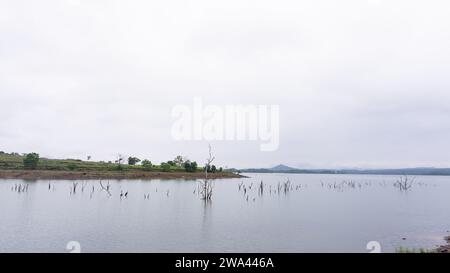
[31, 160]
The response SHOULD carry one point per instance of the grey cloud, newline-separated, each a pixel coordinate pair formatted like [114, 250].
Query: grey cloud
[358, 82]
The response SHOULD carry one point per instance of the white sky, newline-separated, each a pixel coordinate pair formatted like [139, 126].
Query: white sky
[359, 83]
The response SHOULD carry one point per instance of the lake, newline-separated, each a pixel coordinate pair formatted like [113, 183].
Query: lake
[318, 213]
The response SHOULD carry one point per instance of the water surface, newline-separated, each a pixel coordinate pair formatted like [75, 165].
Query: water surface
[318, 214]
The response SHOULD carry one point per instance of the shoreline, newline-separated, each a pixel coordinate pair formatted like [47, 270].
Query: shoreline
[444, 248]
[119, 175]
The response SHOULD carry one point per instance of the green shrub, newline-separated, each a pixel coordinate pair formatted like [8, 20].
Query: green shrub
[165, 167]
[172, 163]
[30, 161]
[133, 160]
[72, 166]
[146, 164]
[190, 166]
[118, 167]
[210, 168]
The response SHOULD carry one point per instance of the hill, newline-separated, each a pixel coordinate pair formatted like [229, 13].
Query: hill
[399, 171]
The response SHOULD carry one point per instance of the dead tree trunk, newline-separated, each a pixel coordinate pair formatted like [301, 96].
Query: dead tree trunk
[206, 185]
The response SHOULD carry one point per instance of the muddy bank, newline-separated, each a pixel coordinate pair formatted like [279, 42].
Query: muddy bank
[92, 175]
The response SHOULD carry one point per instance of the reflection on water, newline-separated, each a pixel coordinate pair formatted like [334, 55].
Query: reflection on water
[264, 213]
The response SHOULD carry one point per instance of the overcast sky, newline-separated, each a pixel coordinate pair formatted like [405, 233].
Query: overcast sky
[359, 83]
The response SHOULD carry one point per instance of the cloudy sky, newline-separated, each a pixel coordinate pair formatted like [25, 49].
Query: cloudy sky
[359, 83]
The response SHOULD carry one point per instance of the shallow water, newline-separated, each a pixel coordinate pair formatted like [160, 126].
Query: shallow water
[314, 216]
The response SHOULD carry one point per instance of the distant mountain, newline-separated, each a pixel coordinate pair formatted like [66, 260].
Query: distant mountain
[401, 171]
[282, 168]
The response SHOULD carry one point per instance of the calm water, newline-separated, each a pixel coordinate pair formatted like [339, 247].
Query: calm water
[315, 216]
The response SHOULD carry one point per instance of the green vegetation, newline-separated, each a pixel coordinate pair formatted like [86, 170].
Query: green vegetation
[190, 166]
[179, 161]
[413, 250]
[32, 161]
[171, 163]
[213, 169]
[147, 164]
[72, 166]
[133, 160]
[165, 167]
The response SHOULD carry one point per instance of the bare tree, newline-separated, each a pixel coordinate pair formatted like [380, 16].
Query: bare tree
[206, 187]
[73, 189]
[120, 159]
[404, 183]
[107, 188]
[261, 188]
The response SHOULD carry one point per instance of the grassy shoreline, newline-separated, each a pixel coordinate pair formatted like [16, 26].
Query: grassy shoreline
[441, 249]
[119, 175]
[12, 167]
